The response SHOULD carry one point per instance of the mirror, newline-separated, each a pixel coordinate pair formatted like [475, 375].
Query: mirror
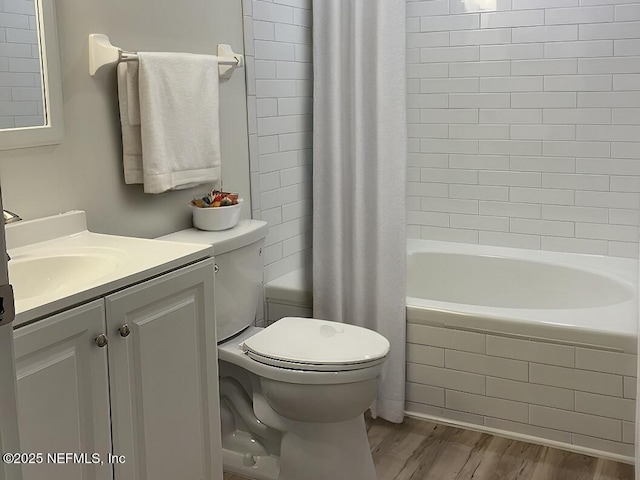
[30, 84]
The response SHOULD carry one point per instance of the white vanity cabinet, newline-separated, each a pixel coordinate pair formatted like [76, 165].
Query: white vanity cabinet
[63, 392]
[164, 378]
[152, 389]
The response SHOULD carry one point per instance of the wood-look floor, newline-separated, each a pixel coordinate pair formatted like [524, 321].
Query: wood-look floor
[417, 450]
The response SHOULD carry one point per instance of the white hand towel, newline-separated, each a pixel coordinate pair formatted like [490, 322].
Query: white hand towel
[130, 121]
[179, 120]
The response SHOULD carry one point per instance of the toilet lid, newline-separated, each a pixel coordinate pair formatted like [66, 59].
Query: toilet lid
[310, 344]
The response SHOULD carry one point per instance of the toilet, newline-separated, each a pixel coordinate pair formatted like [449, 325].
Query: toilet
[293, 394]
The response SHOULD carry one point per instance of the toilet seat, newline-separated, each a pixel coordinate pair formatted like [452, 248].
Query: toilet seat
[316, 345]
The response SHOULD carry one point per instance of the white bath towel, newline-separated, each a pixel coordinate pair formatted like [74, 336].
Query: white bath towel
[179, 121]
[130, 121]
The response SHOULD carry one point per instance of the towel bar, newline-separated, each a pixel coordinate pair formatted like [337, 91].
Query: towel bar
[102, 53]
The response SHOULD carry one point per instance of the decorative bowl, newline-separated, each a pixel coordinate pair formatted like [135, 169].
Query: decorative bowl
[216, 218]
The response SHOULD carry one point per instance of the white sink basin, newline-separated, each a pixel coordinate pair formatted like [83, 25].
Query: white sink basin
[43, 275]
[56, 263]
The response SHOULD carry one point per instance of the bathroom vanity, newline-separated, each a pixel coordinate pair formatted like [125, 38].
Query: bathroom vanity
[122, 363]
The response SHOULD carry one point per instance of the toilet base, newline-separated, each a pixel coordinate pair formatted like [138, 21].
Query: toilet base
[257, 467]
[327, 451]
[311, 451]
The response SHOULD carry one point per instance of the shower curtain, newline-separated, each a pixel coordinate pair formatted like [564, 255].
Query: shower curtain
[359, 163]
[638, 394]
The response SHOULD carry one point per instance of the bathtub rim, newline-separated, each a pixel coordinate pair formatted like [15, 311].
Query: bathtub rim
[616, 268]
[523, 330]
[547, 325]
[622, 283]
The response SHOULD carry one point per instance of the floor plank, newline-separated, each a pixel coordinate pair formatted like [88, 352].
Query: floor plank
[420, 450]
[613, 471]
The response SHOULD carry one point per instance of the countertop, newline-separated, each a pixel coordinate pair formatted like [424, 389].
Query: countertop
[136, 259]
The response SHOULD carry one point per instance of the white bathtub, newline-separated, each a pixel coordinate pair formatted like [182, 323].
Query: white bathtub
[581, 299]
[538, 346]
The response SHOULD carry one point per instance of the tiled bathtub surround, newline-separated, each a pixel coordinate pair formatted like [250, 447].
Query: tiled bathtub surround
[524, 123]
[581, 397]
[279, 87]
[20, 81]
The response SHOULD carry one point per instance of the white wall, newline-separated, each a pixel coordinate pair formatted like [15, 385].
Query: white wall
[279, 85]
[525, 123]
[85, 171]
[20, 80]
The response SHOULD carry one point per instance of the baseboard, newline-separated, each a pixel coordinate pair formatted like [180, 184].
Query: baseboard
[522, 437]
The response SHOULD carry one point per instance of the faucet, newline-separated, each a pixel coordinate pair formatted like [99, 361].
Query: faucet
[10, 217]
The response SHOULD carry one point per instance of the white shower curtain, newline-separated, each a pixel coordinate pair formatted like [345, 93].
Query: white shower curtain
[638, 393]
[359, 163]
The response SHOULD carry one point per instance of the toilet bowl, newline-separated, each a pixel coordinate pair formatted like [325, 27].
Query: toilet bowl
[293, 394]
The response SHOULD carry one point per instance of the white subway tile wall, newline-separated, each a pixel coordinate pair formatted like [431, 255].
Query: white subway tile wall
[579, 396]
[524, 123]
[21, 103]
[279, 88]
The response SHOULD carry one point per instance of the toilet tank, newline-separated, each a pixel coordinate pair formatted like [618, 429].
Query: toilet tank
[239, 269]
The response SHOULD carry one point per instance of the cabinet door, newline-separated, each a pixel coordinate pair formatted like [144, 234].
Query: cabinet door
[63, 393]
[164, 377]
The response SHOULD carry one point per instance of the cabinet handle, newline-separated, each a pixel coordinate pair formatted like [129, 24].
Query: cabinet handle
[124, 330]
[216, 268]
[102, 340]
